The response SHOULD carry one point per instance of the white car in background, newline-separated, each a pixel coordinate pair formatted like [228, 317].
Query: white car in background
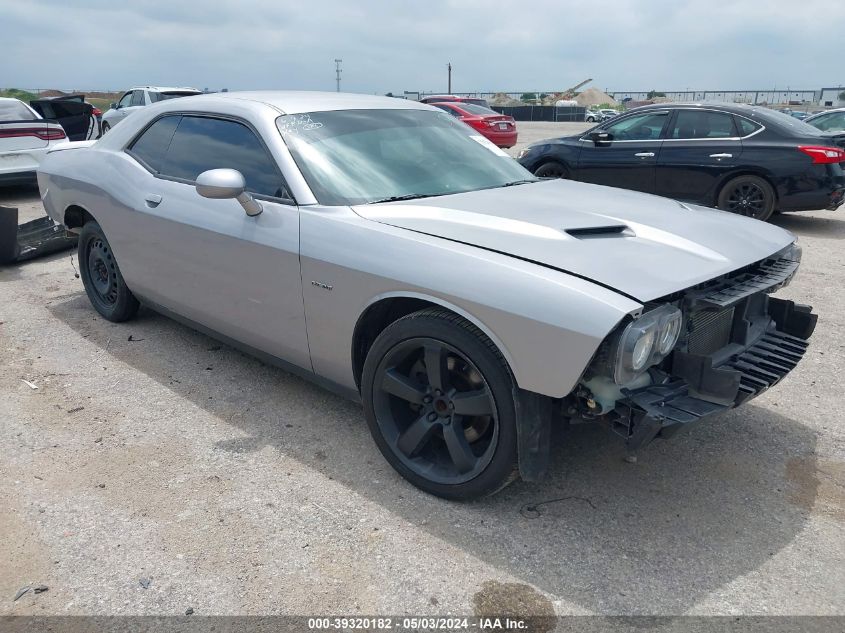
[138, 97]
[25, 138]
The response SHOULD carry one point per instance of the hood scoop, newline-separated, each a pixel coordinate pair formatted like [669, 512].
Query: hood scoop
[592, 232]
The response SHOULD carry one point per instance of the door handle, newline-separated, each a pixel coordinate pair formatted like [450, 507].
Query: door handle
[644, 155]
[721, 156]
[153, 200]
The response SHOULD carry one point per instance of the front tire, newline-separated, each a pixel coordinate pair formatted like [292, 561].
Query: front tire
[101, 276]
[551, 169]
[438, 399]
[751, 196]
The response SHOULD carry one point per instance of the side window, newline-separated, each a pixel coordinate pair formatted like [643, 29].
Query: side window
[125, 100]
[697, 124]
[137, 98]
[746, 127]
[155, 97]
[203, 143]
[833, 122]
[151, 147]
[640, 127]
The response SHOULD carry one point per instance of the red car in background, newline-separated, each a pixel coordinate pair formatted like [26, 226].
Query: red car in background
[498, 128]
[452, 98]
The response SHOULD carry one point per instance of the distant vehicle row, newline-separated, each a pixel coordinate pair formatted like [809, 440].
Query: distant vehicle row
[745, 159]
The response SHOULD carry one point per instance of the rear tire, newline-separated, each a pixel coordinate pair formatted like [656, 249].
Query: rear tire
[750, 196]
[552, 169]
[438, 399]
[101, 276]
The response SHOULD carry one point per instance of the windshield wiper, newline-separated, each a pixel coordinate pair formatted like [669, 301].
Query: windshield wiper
[517, 182]
[407, 196]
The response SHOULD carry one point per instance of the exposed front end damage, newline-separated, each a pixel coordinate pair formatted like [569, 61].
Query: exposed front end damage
[736, 341]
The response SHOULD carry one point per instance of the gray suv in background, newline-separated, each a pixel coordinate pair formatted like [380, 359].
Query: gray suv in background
[138, 97]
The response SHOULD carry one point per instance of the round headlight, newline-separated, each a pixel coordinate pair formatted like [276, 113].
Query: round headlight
[642, 350]
[669, 332]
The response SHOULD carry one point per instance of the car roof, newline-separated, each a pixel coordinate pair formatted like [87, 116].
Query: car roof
[735, 108]
[296, 102]
[817, 114]
[165, 88]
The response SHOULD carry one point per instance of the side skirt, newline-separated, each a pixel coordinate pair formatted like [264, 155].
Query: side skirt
[269, 359]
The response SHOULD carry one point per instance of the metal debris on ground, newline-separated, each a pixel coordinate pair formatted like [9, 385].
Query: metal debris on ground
[41, 589]
[31, 385]
[21, 592]
[145, 582]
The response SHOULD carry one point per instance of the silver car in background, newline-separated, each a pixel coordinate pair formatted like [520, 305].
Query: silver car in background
[386, 250]
[138, 97]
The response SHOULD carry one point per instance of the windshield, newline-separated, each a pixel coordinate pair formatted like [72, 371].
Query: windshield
[14, 110]
[361, 156]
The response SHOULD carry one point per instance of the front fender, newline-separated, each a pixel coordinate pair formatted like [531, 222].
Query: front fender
[547, 324]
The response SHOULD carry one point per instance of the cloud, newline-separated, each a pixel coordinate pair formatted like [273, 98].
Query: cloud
[393, 45]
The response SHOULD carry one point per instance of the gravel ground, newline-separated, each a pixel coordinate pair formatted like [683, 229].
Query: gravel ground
[152, 455]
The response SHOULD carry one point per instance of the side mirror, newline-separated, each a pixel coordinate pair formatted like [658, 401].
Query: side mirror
[222, 184]
[601, 138]
[113, 106]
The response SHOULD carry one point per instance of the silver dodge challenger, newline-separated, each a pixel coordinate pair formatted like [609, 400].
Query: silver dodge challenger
[384, 249]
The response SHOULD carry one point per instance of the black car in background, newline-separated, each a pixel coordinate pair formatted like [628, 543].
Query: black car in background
[739, 158]
[78, 118]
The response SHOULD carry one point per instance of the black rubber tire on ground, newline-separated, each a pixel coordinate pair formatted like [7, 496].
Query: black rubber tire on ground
[748, 195]
[552, 169]
[465, 351]
[106, 128]
[101, 276]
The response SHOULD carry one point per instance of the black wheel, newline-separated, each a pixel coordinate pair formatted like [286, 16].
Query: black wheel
[101, 276]
[438, 397]
[551, 169]
[748, 195]
[106, 127]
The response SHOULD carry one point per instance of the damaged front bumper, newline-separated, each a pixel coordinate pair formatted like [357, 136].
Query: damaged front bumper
[767, 337]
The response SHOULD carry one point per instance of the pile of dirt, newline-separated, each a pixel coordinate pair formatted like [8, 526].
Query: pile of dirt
[502, 100]
[595, 97]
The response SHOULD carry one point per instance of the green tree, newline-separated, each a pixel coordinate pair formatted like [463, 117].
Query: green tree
[842, 96]
[528, 96]
[653, 94]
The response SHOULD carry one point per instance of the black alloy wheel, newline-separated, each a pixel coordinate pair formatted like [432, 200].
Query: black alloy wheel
[440, 406]
[750, 196]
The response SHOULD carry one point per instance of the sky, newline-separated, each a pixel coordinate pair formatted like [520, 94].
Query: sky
[391, 46]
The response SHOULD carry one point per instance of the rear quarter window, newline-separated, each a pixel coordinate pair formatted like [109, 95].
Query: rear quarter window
[746, 127]
[151, 147]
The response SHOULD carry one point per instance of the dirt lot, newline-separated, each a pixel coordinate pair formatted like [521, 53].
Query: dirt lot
[150, 452]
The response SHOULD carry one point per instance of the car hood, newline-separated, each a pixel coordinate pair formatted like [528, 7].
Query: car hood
[641, 245]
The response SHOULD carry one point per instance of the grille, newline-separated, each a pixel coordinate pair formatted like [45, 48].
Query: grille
[709, 331]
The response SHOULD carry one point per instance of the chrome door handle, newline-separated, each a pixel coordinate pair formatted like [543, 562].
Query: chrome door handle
[153, 200]
[644, 155]
[721, 156]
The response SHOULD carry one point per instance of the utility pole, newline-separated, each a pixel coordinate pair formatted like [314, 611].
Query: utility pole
[337, 69]
[449, 66]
